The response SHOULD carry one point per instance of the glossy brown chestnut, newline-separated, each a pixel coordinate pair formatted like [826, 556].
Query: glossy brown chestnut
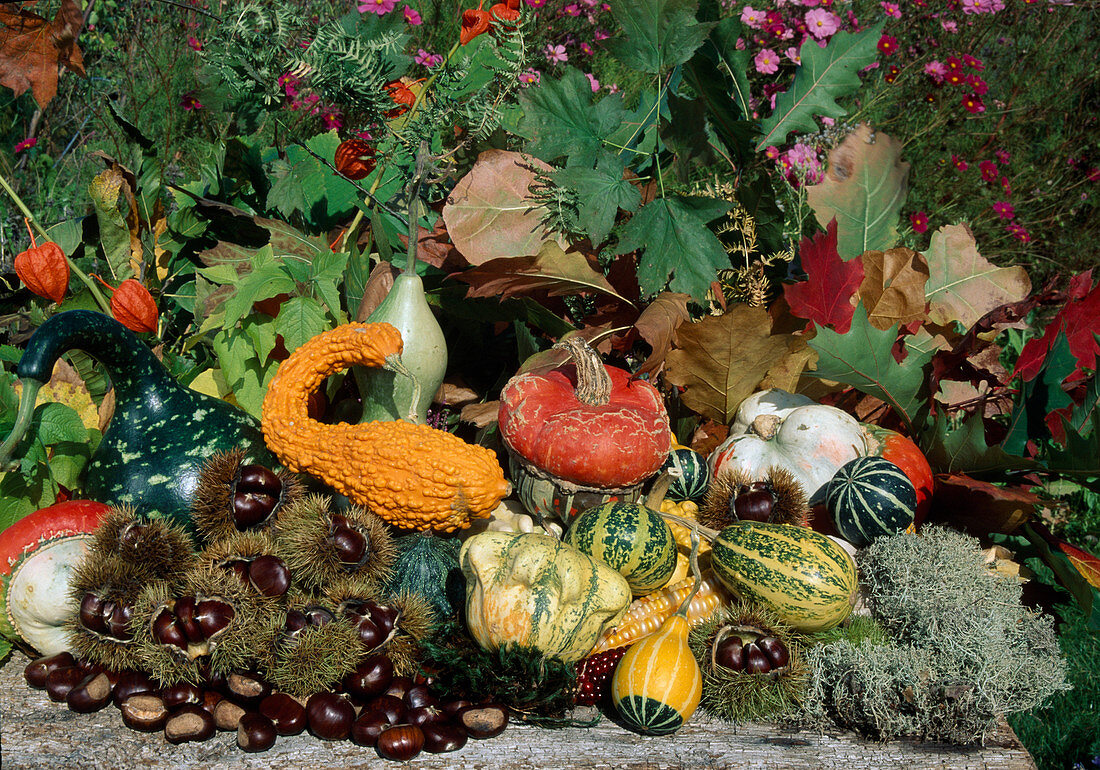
[91, 614]
[426, 715]
[91, 694]
[255, 496]
[118, 622]
[61, 680]
[213, 617]
[38, 669]
[777, 653]
[145, 712]
[211, 699]
[227, 714]
[399, 686]
[444, 737]
[401, 742]
[754, 505]
[269, 575]
[370, 678]
[247, 686]
[287, 714]
[133, 683]
[730, 654]
[180, 694]
[349, 543]
[329, 716]
[418, 695]
[370, 635]
[166, 630]
[255, 732]
[368, 726]
[755, 660]
[188, 723]
[393, 707]
[484, 721]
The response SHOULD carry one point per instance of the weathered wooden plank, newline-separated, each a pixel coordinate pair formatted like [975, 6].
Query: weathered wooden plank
[39, 733]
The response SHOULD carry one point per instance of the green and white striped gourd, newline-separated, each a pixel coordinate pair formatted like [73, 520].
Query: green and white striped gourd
[870, 497]
[630, 538]
[690, 475]
[808, 579]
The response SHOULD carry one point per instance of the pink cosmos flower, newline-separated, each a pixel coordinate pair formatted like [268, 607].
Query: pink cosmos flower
[556, 53]
[380, 7]
[887, 45]
[1006, 186]
[1004, 210]
[793, 54]
[973, 103]
[572, 10]
[26, 144]
[1018, 232]
[194, 43]
[919, 221]
[428, 59]
[978, 86]
[989, 170]
[751, 17]
[771, 152]
[767, 61]
[1093, 174]
[972, 63]
[821, 23]
[1003, 155]
[959, 163]
[529, 77]
[592, 81]
[891, 9]
[936, 70]
[412, 16]
[535, 3]
[289, 81]
[949, 26]
[332, 118]
[190, 102]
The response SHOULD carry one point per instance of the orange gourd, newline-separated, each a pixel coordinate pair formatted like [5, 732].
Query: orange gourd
[413, 476]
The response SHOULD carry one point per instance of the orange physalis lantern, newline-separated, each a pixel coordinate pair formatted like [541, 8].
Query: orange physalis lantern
[43, 269]
[506, 11]
[401, 94]
[474, 22]
[133, 306]
[354, 158]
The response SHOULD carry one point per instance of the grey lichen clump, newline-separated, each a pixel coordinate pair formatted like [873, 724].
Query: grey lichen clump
[963, 650]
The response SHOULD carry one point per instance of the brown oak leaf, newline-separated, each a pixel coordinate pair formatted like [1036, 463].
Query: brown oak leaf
[32, 49]
[893, 286]
[658, 324]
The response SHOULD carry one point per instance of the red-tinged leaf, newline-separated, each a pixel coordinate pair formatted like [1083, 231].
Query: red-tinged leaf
[552, 270]
[1087, 564]
[980, 507]
[826, 296]
[1080, 320]
[1081, 584]
[1080, 284]
[33, 48]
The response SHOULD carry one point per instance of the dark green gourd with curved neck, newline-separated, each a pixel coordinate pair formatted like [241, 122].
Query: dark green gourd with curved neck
[161, 432]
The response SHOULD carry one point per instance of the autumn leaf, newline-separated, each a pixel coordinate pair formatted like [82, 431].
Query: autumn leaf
[721, 360]
[552, 270]
[489, 215]
[657, 325]
[825, 296]
[980, 507]
[863, 190]
[962, 285]
[33, 48]
[1067, 566]
[893, 287]
[863, 358]
[1080, 320]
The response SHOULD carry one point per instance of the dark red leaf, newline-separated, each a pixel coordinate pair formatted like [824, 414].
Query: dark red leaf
[1080, 320]
[825, 297]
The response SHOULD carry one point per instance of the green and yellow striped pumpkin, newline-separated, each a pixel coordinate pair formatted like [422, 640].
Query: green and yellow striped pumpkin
[808, 579]
[631, 539]
[657, 685]
[870, 497]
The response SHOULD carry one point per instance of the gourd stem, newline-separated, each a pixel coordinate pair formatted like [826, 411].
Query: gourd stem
[22, 421]
[593, 381]
[414, 199]
[710, 534]
[395, 364]
[693, 559]
[659, 490]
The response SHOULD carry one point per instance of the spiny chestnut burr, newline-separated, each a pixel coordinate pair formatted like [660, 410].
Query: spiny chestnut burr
[37, 670]
[269, 575]
[145, 712]
[189, 723]
[400, 742]
[255, 732]
[287, 714]
[255, 496]
[329, 716]
[348, 542]
[91, 694]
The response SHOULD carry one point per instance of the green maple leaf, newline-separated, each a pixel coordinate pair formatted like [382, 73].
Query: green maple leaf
[601, 192]
[561, 119]
[863, 358]
[676, 244]
[824, 75]
[299, 320]
[963, 448]
[657, 34]
[296, 186]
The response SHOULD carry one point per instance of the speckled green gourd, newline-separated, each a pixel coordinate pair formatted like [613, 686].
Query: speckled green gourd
[631, 539]
[161, 432]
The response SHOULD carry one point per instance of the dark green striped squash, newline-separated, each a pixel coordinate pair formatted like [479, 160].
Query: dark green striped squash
[161, 433]
[427, 565]
[808, 579]
[690, 475]
[870, 497]
[630, 538]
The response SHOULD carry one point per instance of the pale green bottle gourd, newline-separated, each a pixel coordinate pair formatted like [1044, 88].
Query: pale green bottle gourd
[388, 395]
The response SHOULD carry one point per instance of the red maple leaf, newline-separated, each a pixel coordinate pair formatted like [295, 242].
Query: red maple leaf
[1079, 318]
[825, 296]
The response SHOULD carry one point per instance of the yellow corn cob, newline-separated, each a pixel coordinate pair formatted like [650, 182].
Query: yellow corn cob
[646, 614]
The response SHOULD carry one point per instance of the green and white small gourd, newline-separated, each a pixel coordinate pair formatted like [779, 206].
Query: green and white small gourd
[690, 475]
[870, 497]
[631, 539]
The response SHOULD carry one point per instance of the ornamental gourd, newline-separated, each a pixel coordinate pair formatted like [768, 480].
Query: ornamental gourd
[868, 498]
[582, 433]
[535, 591]
[902, 452]
[413, 476]
[631, 539]
[776, 429]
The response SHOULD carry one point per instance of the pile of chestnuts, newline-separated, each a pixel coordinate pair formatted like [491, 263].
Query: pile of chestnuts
[397, 716]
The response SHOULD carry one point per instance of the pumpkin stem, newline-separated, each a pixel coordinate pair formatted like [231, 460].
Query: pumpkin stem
[766, 426]
[659, 489]
[593, 381]
[22, 421]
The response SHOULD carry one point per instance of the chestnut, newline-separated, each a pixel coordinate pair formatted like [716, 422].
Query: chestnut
[401, 742]
[287, 714]
[190, 722]
[371, 677]
[118, 622]
[255, 732]
[184, 610]
[212, 617]
[247, 686]
[444, 737]
[227, 714]
[391, 706]
[370, 635]
[399, 685]
[349, 543]
[776, 652]
[329, 716]
[755, 660]
[61, 680]
[91, 614]
[368, 726]
[418, 695]
[92, 694]
[452, 706]
[385, 617]
[38, 669]
[754, 505]
[180, 694]
[426, 715]
[144, 712]
[269, 575]
[484, 721]
[211, 699]
[730, 654]
[133, 683]
[255, 496]
[167, 630]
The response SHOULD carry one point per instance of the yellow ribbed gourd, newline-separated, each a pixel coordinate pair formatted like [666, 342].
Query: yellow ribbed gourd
[657, 685]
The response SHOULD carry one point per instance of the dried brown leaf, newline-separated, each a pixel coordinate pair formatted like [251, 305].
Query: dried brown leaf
[480, 415]
[893, 286]
[32, 49]
[657, 325]
[378, 285]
